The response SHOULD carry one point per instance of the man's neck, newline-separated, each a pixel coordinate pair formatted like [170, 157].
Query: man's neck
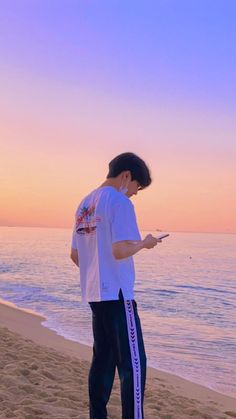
[111, 182]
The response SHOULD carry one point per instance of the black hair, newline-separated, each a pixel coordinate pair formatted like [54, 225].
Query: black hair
[137, 167]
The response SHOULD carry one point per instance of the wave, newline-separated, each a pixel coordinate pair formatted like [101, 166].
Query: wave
[201, 288]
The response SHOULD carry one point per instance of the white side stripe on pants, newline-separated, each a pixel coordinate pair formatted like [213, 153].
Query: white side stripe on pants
[133, 343]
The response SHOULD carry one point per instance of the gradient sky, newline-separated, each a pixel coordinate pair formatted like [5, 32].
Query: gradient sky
[82, 81]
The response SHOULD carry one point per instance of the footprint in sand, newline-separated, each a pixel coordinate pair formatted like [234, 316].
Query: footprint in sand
[49, 375]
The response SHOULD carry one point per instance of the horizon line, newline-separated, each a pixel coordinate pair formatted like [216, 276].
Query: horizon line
[156, 230]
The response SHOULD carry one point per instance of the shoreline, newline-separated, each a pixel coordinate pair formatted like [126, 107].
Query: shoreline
[72, 348]
[27, 325]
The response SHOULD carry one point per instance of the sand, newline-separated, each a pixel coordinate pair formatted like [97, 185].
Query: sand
[44, 375]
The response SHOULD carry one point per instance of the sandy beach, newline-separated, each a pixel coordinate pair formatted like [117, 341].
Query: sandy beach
[44, 375]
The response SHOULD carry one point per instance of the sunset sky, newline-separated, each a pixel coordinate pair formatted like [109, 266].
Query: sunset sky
[82, 81]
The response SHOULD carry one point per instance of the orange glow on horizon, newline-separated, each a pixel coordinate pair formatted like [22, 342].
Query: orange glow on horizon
[50, 160]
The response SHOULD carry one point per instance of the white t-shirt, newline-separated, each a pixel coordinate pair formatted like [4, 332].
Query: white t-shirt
[104, 217]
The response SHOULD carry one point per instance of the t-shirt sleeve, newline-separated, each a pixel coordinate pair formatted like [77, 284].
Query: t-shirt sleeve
[124, 224]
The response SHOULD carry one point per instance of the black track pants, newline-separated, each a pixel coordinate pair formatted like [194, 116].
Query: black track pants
[118, 342]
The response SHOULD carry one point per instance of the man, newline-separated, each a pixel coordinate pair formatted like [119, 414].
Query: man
[105, 238]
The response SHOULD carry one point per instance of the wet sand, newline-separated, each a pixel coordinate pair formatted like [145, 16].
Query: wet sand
[44, 375]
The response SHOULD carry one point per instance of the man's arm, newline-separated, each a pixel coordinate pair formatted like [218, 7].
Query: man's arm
[126, 248]
[74, 256]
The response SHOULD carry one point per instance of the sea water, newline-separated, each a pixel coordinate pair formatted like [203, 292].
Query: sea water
[185, 291]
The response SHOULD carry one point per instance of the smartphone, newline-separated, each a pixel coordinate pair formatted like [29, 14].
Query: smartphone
[162, 236]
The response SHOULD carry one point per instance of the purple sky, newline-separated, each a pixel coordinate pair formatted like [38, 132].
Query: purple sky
[92, 79]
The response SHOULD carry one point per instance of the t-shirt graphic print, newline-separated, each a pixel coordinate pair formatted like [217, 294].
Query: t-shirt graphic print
[86, 222]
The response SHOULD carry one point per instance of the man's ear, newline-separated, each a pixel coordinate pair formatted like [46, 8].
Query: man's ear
[128, 174]
[125, 175]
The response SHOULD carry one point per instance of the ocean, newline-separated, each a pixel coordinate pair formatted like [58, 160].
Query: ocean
[185, 291]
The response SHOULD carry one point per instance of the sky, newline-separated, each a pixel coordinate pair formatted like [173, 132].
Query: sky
[82, 81]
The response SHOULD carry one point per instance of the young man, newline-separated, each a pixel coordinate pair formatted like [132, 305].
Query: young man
[105, 238]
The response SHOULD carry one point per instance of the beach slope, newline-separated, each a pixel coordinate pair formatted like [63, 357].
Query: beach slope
[44, 375]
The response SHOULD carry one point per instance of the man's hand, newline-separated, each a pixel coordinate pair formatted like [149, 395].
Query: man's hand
[150, 241]
[74, 256]
[126, 248]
